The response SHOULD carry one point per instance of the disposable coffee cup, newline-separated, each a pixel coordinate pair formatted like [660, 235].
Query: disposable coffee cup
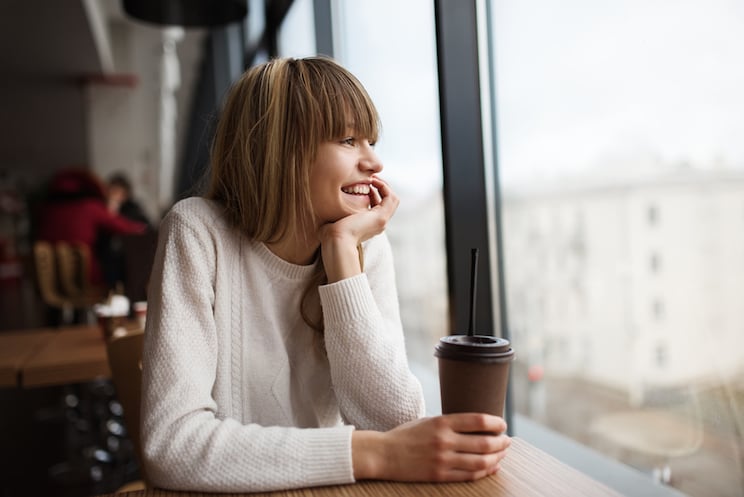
[473, 373]
[140, 313]
[111, 324]
[112, 315]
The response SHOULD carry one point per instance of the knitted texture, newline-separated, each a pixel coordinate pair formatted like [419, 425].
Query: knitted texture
[239, 394]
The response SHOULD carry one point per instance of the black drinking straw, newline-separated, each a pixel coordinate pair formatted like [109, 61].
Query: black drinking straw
[473, 284]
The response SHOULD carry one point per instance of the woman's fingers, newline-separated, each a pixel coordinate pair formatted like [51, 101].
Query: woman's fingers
[476, 423]
[385, 194]
[482, 444]
[475, 463]
[374, 197]
[445, 448]
[455, 475]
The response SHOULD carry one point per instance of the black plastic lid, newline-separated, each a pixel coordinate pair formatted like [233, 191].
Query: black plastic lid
[480, 348]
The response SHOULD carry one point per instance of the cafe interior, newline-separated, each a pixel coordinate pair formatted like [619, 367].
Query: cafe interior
[132, 88]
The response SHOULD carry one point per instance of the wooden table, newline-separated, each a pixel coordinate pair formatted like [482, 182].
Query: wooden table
[53, 356]
[73, 354]
[16, 347]
[526, 472]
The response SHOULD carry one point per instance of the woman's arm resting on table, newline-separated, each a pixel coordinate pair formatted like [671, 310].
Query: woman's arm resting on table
[432, 449]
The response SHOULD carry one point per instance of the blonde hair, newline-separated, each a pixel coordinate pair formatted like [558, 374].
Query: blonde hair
[267, 137]
[273, 120]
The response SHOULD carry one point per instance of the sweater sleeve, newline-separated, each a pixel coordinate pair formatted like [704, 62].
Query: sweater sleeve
[187, 444]
[366, 350]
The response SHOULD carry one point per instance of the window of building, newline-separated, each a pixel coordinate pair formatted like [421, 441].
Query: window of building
[657, 309]
[654, 262]
[652, 214]
[660, 355]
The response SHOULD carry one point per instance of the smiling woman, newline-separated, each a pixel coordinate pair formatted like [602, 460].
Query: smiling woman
[267, 338]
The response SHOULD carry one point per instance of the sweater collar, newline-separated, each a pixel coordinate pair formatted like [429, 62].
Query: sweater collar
[281, 267]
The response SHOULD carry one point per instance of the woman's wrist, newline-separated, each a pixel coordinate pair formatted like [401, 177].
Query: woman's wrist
[367, 454]
[340, 258]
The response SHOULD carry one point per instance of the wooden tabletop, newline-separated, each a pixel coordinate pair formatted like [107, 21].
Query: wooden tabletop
[73, 354]
[526, 472]
[16, 347]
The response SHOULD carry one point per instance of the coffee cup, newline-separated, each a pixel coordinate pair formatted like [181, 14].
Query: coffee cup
[112, 315]
[111, 324]
[473, 373]
[140, 313]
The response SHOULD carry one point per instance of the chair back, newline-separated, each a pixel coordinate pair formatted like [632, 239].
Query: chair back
[82, 257]
[69, 273]
[46, 276]
[125, 362]
[74, 262]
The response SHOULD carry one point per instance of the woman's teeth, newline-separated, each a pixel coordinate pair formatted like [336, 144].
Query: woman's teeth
[356, 189]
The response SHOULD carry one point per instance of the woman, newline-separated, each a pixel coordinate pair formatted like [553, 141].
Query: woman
[75, 212]
[274, 356]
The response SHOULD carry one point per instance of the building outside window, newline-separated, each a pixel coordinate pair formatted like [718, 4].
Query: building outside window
[631, 115]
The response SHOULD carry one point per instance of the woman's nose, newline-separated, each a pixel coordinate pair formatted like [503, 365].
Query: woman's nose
[370, 161]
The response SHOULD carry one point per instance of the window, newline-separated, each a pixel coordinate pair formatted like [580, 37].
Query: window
[395, 59]
[623, 111]
[296, 37]
[657, 309]
[653, 215]
[661, 355]
[654, 262]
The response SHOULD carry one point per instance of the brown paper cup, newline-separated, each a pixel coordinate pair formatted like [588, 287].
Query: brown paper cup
[473, 373]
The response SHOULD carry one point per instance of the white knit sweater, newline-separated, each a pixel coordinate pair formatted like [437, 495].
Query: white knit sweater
[237, 394]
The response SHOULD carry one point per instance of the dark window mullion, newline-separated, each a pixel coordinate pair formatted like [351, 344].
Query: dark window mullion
[466, 187]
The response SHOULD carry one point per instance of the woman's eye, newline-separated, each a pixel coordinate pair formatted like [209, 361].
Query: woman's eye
[348, 141]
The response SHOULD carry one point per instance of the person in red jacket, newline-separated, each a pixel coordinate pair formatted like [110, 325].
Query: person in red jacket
[75, 210]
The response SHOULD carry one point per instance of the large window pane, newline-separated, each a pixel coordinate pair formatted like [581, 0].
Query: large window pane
[621, 162]
[395, 58]
[297, 33]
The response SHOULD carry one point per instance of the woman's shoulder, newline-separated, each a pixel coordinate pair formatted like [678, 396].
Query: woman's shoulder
[198, 211]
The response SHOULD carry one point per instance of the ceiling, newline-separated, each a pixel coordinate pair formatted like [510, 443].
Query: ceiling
[46, 39]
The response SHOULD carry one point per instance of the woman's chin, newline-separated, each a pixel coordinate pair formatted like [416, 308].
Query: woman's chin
[360, 204]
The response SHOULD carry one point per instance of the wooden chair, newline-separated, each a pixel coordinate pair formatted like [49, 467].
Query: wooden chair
[125, 362]
[74, 272]
[68, 273]
[47, 281]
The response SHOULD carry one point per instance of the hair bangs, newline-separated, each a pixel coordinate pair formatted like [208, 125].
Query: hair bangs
[343, 104]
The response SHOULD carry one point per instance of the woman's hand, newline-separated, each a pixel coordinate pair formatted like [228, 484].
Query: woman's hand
[339, 240]
[444, 448]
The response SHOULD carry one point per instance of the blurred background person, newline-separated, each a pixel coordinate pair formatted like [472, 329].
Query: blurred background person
[112, 247]
[120, 200]
[75, 210]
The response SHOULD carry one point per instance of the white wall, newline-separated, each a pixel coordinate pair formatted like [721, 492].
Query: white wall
[123, 122]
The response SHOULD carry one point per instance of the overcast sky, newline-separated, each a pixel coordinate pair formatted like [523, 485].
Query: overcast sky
[603, 83]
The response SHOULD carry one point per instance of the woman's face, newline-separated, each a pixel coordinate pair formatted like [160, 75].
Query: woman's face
[340, 177]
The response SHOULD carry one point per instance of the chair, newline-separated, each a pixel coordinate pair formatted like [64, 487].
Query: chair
[125, 361]
[47, 281]
[74, 272]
